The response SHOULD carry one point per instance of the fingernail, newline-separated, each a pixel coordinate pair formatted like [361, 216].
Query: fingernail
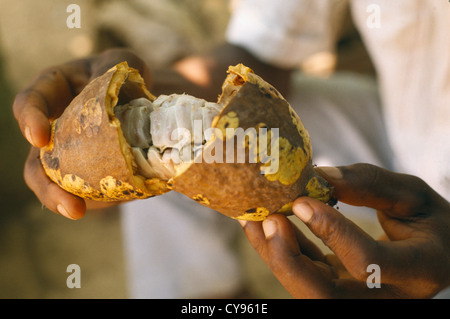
[62, 210]
[269, 228]
[28, 135]
[242, 222]
[331, 172]
[303, 211]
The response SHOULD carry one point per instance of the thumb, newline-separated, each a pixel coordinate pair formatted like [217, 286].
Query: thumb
[294, 261]
[355, 248]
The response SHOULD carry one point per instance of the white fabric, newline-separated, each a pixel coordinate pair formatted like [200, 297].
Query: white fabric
[286, 32]
[176, 248]
[409, 41]
[411, 51]
[343, 117]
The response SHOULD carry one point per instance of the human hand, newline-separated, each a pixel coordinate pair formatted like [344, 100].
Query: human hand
[413, 261]
[45, 98]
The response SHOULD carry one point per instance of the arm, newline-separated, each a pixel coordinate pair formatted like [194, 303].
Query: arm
[202, 76]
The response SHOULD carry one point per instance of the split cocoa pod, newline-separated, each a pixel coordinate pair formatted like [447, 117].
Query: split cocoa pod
[246, 156]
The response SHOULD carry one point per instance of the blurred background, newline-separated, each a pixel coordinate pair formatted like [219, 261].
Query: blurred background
[37, 245]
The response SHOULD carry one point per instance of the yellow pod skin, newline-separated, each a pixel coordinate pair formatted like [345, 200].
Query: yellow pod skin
[89, 156]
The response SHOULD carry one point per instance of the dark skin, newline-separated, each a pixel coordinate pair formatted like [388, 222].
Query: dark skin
[45, 99]
[414, 258]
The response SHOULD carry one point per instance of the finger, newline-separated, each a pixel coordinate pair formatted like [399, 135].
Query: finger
[307, 247]
[399, 261]
[255, 235]
[303, 277]
[399, 195]
[32, 117]
[46, 97]
[352, 246]
[258, 232]
[111, 57]
[50, 194]
[276, 242]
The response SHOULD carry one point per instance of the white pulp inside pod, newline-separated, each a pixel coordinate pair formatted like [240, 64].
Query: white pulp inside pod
[161, 132]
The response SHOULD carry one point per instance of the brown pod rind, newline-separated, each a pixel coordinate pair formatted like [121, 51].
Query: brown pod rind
[88, 154]
[243, 190]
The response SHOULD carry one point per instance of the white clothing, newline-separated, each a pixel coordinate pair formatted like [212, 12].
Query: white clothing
[409, 42]
[177, 248]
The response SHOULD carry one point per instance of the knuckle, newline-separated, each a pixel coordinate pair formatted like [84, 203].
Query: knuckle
[373, 177]
[359, 267]
[27, 97]
[328, 227]
[19, 103]
[348, 243]
[359, 270]
[364, 179]
[417, 197]
[422, 193]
